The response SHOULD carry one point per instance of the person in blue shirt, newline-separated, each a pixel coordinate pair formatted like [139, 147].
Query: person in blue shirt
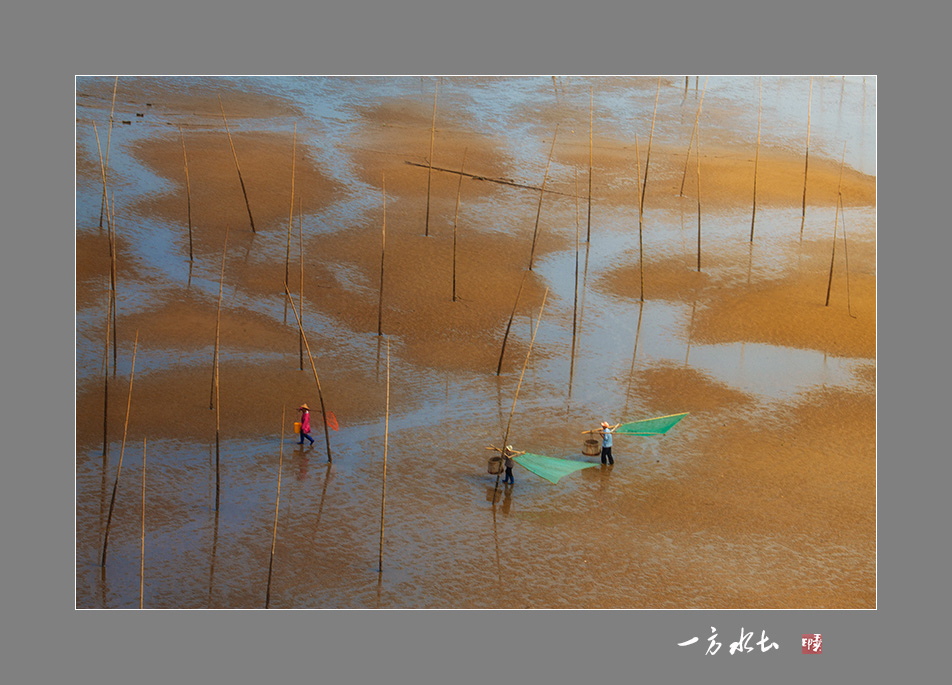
[606, 433]
[508, 463]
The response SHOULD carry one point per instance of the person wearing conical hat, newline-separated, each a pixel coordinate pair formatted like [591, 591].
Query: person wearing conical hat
[305, 423]
[509, 463]
[606, 432]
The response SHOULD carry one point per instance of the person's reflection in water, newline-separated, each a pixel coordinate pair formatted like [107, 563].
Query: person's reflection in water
[302, 467]
[507, 499]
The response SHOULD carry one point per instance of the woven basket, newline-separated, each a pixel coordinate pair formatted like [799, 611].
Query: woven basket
[590, 448]
[495, 465]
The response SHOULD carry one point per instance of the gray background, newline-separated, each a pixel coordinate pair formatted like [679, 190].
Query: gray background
[46, 641]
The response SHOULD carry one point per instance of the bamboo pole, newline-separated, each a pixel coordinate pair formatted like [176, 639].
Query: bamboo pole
[287, 260]
[122, 449]
[103, 205]
[320, 506]
[760, 109]
[235, 155]
[491, 179]
[829, 285]
[142, 546]
[644, 184]
[634, 354]
[383, 252]
[217, 440]
[505, 440]
[509, 325]
[583, 288]
[112, 250]
[459, 189]
[102, 170]
[687, 355]
[114, 276]
[575, 304]
[641, 242]
[221, 287]
[591, 129]
[693, 133]
[699, 197]
[320, 393]
[386, 433]
[105, 382]
[806, 163]
[211, 567]
[846, 253]
[545, 177]
[188, 196]
[429, 173]
[301, 249]
[215, 385]
[277, 499]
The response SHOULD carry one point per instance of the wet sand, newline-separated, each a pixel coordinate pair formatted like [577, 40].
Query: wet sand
[755, 500]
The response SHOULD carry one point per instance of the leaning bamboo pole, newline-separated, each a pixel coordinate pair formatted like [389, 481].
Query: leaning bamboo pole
[215, 386]
[846, 254]
[142, 545]
[509, 325]
[320, 393]
[641, 221]
[505, 439]
[237, 166]
[102, 169]
[699, 196]
[122, 449]
[105, 382]
[459, 189]
[111, 241]
[760, 109]
[211, 566]
[644, 183]
[301, 249]
[591, 130]
[490, 179]
[277, 499]
[383, 252]
[103, 207]
[687, 157]
[634, 354]
[287, 259]
[221, 287]
[386, 433]
[114, 277]
[545, 177]
[829, 285]
[320, 506]
[188, 196]
[429, 172]
[806, 163]
[217, 439]
[575, 305]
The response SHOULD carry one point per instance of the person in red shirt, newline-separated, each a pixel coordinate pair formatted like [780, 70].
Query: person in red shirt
[305, 424]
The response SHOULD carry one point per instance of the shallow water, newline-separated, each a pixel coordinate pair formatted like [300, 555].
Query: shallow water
[595, 539]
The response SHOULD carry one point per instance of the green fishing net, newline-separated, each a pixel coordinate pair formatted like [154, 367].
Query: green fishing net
[550, 468]
[656, 426]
